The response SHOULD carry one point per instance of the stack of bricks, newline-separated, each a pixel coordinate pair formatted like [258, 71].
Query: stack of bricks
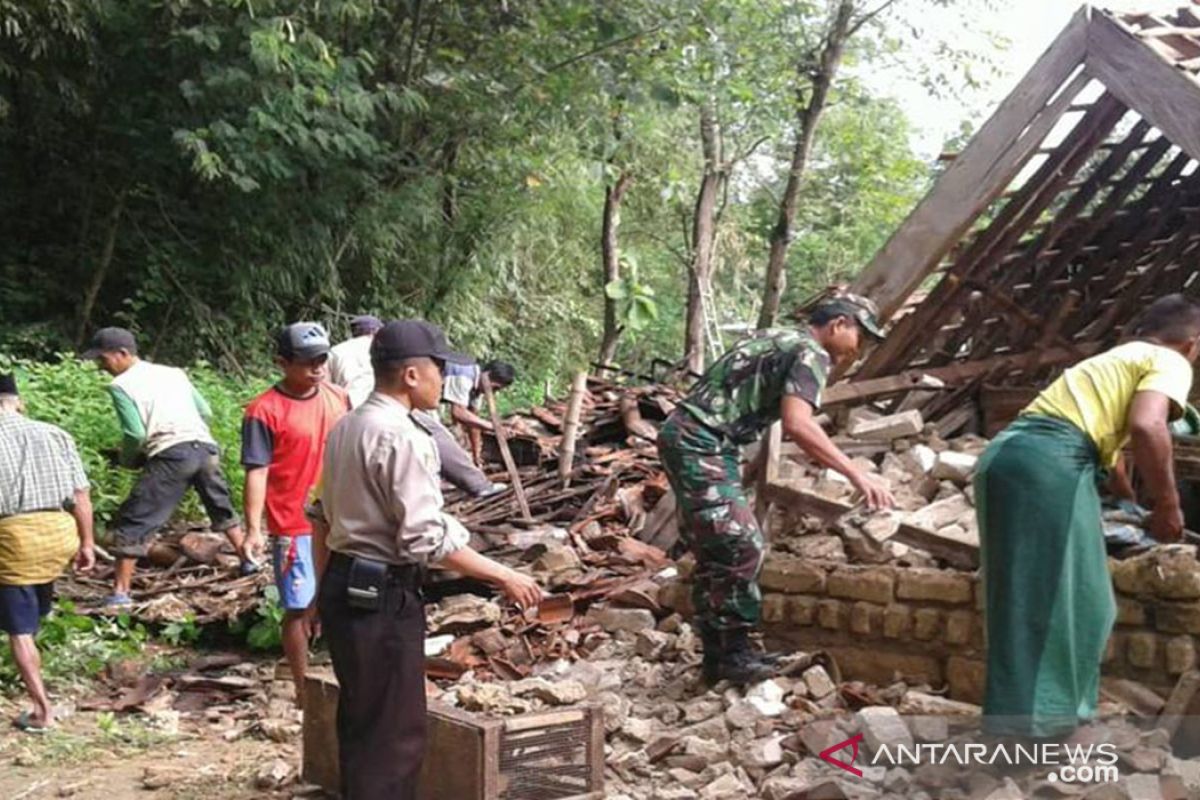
[885, 621]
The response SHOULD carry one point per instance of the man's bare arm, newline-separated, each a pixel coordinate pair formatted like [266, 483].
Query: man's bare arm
[465, 416]
[84, 527]
[1153, 456]
[800, 426]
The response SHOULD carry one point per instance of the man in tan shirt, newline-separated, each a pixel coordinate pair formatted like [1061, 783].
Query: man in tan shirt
[379, 522]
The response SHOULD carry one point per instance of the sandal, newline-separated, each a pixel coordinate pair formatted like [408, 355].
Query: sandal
[25, 724]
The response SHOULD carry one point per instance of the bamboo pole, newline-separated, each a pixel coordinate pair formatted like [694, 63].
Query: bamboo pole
[566, 453]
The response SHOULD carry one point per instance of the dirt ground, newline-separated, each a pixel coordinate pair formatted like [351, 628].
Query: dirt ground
[98, 755]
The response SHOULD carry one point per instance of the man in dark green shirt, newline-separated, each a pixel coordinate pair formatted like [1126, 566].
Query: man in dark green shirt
[776, 374]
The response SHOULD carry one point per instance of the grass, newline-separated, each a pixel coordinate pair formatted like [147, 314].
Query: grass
[76, 648]
[70, 744]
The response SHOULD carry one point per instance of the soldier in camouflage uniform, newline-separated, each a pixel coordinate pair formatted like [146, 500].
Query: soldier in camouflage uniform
[774, 374]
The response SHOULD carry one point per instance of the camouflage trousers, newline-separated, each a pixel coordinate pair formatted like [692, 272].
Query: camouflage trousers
[715, 521]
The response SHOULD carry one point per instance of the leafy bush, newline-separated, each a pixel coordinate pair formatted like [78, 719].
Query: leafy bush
[263, 630]
[72, 395]
[75, 648]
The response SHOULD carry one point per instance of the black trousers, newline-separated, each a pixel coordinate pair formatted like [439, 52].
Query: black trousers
[379, 660]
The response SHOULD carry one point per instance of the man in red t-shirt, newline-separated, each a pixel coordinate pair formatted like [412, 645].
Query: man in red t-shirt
[283, 443]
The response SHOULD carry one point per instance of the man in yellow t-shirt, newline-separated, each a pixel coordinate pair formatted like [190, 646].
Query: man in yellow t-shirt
[1049, 606]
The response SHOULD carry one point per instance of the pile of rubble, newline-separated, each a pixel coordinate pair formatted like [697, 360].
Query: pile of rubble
[668, 736]
[934, 521]
[192, 575]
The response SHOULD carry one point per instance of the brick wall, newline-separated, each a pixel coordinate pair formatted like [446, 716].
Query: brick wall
[928, 624]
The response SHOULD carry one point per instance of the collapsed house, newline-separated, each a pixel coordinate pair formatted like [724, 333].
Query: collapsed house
[1072, 207]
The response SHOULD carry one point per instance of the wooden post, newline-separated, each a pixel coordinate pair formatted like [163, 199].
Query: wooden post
[566, 452]
[768, 472]
[505, 453]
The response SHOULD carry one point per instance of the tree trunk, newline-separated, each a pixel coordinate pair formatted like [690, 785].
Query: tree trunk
[808, 115]
[610, 256]
[106, 258]
[704, 233]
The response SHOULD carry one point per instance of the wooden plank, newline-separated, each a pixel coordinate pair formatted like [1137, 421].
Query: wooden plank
[527, 722]
[505, 454]
[1177, 704]
[767, 471]
[983, 170]
[1015, 218]
[1145, 81]
[596, 751]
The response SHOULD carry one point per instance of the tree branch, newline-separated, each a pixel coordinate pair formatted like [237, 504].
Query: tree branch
[870, 15]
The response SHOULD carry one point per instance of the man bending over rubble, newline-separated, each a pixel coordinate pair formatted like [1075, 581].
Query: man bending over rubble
[1049, 603]
[774, 374]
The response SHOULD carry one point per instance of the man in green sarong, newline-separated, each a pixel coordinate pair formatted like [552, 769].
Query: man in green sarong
[1049, 603]
[774, 374]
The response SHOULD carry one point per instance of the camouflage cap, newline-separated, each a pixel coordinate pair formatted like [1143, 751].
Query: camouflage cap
[864, 312]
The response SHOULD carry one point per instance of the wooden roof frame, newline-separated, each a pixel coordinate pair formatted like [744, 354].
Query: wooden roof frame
[1110, 204]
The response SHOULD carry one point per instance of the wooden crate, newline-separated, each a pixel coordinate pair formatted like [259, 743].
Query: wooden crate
[550, 755]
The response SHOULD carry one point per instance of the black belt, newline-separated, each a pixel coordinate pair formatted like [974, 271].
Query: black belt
[407, 575]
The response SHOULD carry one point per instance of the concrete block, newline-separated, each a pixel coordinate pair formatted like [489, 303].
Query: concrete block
[897, 621]
[1130, 612]
[1180, 654]
[926, 623]
[865, 618]
[873, 584]
[958, 627]
[830, 615]
[1177, 617]
[885, 429]
[774, 607]
[966, 678]
[952, 466]
[802, 610]
[883, 725]
[1142, 650]
[933, 584]
[792, 576]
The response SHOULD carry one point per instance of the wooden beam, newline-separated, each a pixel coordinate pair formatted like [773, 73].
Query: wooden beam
[911, 334]
[1145, 81]
[954, 374]
[982, 171]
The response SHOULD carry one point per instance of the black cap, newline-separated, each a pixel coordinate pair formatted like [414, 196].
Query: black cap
[8, 384]
[413, 338]
[364, 324]
[302, 340]
[109, 340]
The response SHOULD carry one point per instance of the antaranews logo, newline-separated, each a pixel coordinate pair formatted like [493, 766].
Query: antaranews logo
[1093, 763]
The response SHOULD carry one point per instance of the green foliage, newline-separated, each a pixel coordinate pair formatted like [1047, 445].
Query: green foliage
[263, 630]
[206, 171]
[183, 632]
[76, 648]
[71, 394]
